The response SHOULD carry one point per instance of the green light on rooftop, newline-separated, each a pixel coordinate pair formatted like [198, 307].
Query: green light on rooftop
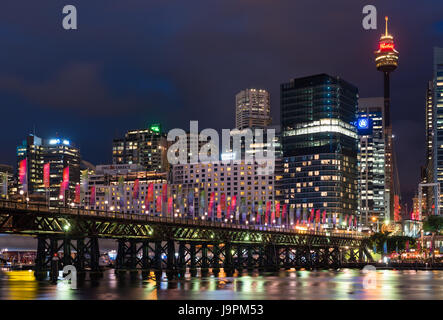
[155, 127]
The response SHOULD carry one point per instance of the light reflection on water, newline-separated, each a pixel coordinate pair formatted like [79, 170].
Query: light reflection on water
[309, 285]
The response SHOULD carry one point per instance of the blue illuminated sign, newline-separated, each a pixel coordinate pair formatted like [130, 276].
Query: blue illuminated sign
[364, 126]
[363, 123]
[58, 141]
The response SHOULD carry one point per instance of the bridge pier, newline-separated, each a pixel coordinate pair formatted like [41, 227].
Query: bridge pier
[250, 258]
[158, 260]
[145, 258]
[271, 263]
[171, 271]
[181, 263]
[228, 263]
[239, 262]
[216, 259]
[261, 258]
[193, 257]
[204, 260]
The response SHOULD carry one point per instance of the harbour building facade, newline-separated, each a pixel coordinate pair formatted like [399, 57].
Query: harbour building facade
[319, 143]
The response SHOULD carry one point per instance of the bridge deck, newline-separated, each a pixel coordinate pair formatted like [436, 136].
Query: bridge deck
[13, 207]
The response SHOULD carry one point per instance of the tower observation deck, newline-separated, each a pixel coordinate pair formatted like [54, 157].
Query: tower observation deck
[386, 61]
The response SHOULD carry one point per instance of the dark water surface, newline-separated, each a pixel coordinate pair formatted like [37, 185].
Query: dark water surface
[309, 285]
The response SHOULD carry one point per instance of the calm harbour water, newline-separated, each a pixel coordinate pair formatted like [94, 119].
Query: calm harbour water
[308, 285]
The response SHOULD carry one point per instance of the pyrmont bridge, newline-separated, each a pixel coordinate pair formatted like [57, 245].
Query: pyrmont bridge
[173, 245]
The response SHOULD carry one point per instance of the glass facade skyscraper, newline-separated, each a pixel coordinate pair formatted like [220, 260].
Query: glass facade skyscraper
[59, 154]
[371, 162]
[438, 118]
[319, 142]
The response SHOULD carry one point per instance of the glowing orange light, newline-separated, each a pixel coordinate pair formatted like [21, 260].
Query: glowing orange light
[386, 46]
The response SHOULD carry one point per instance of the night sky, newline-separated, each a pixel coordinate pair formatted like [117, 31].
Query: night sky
[131, 63]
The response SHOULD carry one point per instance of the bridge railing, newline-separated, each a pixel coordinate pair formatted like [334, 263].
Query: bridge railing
[45, 209]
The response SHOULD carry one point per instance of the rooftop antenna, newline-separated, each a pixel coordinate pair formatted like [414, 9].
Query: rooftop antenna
[386, 19]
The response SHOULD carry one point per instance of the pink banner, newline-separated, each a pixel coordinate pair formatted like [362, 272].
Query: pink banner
[135, 189]
[46, 175]
[77, 193]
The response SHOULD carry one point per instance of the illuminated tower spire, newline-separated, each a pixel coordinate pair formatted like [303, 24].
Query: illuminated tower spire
[386, 61]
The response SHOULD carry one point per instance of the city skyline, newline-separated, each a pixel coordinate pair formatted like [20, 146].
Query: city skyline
[115, 119]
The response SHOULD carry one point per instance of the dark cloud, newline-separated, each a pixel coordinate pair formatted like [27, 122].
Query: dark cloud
[80, 88]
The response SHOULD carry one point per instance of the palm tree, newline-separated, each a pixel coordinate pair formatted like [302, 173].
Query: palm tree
[434, 225]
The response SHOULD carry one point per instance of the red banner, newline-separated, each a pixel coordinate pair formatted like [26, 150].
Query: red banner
[165, 192]
[277, 210]
[234, 203]
[46, 175]
[219, 211]
[170, 206]
[135, 189]
[159, 204]
[211, 204]
[92, 196]
[150, 194]
[65, 183]
[317, 216]
[285, 208]
[77, 193]
[223, 201]
[23, 174]
[268, 209]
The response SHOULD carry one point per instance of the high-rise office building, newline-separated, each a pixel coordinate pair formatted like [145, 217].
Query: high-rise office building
[371, 162]
[319, 141]
[252, 109]
[59, 154]
[427, 171]
[147, 147]
[6, 178]
[437, 104]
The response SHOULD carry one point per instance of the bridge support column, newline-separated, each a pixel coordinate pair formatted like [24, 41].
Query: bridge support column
[67, 259]
[239, 263]
[181, 260]
[228, 265]
[204, 260]
[94, 258]
[79, 261]
[261, 258]
[171, 271]
[158, 260]
[193, 257]
[250, 258]
[120, 261]
[287, 263]
[145, 258]
[216, 259]
[271, 258]
[54, 260]
[41, 269]
[132, 252]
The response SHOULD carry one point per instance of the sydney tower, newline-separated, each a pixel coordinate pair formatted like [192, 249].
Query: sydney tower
[386, 60]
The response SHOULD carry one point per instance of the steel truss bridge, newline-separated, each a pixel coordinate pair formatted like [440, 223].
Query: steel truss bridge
[174, 245]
